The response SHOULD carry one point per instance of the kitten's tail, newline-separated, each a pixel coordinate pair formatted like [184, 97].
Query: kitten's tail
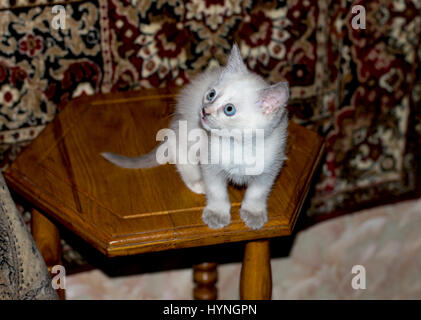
[144, 161]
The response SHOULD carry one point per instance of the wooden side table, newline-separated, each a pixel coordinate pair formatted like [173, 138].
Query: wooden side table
[124, 212]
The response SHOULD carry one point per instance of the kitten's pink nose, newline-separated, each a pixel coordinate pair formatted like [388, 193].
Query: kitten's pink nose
[206, 111]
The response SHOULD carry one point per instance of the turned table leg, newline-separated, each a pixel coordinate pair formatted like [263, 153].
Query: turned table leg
[46, 236]
[256, 275]
[205, 276]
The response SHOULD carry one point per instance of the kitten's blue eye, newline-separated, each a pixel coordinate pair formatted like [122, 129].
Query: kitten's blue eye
[211, 95]
[229, 110]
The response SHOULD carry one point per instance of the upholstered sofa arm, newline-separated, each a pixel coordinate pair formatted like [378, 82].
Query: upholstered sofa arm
[23, 273]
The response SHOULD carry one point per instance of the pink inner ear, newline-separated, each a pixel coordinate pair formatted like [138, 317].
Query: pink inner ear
[273, 101]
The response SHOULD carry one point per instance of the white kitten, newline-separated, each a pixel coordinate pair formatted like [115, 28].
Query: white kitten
[228, 98]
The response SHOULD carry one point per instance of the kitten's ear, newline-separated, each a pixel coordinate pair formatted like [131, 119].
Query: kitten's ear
[235, 62]
[274, 97]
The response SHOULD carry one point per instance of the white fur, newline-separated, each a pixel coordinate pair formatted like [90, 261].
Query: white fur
[259, 106]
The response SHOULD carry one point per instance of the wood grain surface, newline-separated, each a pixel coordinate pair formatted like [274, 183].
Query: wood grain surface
[122, 211]
[256, 272]
[205, 276]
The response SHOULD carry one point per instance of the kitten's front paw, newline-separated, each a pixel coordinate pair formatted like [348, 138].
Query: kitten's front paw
[197, 187]
[254, 219]
[215, 219]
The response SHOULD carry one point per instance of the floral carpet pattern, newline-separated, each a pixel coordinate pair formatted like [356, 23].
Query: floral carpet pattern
[360, 89]
[372, 121]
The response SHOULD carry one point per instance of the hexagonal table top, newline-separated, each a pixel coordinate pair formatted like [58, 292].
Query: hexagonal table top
[125, 211]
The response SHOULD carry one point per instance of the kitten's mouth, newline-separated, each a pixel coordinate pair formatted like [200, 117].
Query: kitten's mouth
[205, 123]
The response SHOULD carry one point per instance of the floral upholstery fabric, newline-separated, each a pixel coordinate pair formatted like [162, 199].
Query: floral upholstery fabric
[359, 88]
[23, 273]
